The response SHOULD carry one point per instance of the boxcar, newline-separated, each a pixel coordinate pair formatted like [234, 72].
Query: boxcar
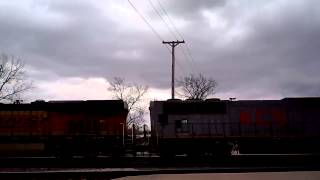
[62, 127]
[290, 125]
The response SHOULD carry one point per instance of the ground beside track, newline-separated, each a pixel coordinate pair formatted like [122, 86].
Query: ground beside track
[292, 175]
[107, 167]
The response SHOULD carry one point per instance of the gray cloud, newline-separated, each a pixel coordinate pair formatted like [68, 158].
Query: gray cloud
[265, 47]
[278, 53]
[190, 8]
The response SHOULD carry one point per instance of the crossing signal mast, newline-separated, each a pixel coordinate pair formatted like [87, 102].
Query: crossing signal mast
[173, 44]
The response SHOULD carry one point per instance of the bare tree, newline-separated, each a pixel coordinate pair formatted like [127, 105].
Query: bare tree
[197, 86]
[13, 79]
[133, 95]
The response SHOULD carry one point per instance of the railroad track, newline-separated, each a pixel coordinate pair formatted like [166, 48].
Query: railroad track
[157, 162]
[111, 173]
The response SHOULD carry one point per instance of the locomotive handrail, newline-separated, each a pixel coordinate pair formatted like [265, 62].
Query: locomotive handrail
[215, 128]
[123, 144]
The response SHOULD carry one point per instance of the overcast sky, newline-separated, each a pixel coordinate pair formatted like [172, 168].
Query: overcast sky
[254, 49]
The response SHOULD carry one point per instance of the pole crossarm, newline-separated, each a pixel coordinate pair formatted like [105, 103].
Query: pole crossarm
[173, 44]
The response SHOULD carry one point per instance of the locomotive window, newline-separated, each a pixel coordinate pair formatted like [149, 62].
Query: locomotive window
[182, 126]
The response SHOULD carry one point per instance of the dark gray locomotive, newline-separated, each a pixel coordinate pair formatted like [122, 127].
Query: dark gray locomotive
[218, 127]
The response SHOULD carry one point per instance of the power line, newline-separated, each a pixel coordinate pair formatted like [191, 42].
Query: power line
[166, 24]
[170, 29]
[145, 20]
[149, 25]
[190, 54]
[153, 29]
[171, 21]
[186, 57]
[178, 32]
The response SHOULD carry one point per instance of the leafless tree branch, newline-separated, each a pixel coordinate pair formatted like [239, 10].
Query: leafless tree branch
[133, 95]
[13, 79]
[197, 86]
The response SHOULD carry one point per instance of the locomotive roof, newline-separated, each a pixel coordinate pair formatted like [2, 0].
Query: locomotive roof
[219, 106]
[194, 106]
[307, 102]
[94, 106]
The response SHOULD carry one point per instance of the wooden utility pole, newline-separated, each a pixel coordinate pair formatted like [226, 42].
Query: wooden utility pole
[173, 44]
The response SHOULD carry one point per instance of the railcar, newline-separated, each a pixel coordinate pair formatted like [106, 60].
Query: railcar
[218, 127]
[62, 128]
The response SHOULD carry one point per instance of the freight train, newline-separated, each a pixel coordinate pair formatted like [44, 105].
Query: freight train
[192, 127]
[218, 127]
[61, 128]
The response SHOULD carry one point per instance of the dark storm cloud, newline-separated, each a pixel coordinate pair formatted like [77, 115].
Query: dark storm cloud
[191, 8]
[254, 49]
[275, 54]
[83, 43]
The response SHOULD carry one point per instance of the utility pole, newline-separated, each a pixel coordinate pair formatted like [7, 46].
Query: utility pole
[173, 44]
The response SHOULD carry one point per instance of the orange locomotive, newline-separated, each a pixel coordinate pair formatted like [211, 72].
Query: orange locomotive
[63, 127]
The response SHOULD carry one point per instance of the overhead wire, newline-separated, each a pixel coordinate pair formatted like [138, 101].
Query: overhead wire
[187, 48]
[149, 25]
[170, 19]
[174, 34]
[152, 28]
[159, 14]
[191, 56]
[169, 29]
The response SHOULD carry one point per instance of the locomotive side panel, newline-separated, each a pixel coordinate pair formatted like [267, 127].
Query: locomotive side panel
[259, 118]
[90, 127]
[62, 127]
[23, 123]
[304, 116]
[189, 119]
[262, 125]
[192, 127]
[256, 126]
[21, 127]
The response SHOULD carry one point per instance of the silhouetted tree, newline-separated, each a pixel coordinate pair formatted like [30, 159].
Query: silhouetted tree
[197, 86]
[13, 79]
[133, 95]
